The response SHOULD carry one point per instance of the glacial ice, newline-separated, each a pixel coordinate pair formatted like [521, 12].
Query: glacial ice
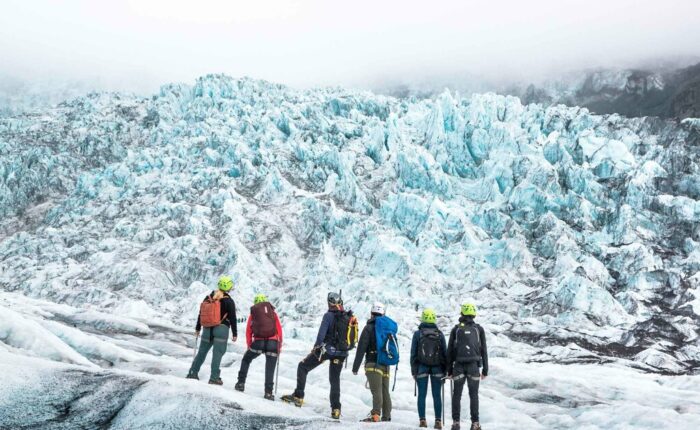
[576, 234]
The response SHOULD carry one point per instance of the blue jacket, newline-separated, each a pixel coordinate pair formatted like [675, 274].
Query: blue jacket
[418, 368]
[325, 334]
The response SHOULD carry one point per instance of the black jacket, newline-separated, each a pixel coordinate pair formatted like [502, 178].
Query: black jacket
[451, 350]
[228, 308]
[325, 333]
[366, 346]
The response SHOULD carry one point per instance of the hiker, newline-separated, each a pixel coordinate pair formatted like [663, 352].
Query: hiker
[466, 353]
[377, 375]
[428, 361]
[217, 314]
[336, 336]
[263, 336]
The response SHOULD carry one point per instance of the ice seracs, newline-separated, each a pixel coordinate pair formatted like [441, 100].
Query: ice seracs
[583, 220]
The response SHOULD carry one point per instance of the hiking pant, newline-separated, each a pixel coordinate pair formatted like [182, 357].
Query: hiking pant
[434, 374]
[216, 337]
[267, 347]
[311, 362]
[378, 378]
[466, 373]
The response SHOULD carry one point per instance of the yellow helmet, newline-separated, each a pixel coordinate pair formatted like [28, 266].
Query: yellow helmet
[469, 309]
[259, 298]
[225, 283]
[428, 316]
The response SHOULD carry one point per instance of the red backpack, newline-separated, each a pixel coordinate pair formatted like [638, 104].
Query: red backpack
[210, 313]
[264, 324]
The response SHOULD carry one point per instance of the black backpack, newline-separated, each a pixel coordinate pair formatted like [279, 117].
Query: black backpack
[345, 331]
[430, 347]
[467, 343]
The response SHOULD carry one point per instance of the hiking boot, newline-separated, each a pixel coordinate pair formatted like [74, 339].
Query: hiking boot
[371, 418]
[269, 396]
[386, 419]
[438, 424]
[291, 398]
[455, 426]
[216, 381]
[476, 425]
[335, 414]
[423, 423]
[192, 376]
[239, 387]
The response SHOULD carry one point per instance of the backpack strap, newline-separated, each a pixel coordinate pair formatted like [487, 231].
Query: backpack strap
[221, 302]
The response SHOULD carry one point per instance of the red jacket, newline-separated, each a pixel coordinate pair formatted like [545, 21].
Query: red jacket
[249, 338]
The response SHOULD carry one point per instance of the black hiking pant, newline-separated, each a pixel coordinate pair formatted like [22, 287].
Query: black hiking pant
[311, 362]
[270, 349]
[466, 373]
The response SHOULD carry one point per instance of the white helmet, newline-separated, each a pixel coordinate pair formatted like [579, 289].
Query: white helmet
[378, 308]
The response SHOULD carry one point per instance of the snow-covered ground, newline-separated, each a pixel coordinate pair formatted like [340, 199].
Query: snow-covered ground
[578, 236]
[140, 383]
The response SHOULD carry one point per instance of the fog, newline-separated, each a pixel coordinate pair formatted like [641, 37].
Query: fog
[138, 45]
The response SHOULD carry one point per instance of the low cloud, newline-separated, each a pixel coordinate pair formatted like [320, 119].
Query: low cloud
[138, 45]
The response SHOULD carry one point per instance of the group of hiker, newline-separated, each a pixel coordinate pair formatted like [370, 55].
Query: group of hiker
[461, 360]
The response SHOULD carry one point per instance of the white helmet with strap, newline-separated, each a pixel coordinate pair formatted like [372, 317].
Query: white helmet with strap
[378, 308]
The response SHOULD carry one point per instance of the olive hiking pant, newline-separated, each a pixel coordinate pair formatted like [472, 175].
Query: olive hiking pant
[378, 378]
[216, 337]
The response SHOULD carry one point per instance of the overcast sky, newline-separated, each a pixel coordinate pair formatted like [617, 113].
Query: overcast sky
[142, 43]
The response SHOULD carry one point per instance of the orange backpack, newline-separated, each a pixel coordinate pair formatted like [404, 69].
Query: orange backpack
[210, 313]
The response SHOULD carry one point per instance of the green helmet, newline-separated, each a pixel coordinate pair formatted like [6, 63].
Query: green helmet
[225, 283]
[259, 298]
[428, 316]
[469, 309]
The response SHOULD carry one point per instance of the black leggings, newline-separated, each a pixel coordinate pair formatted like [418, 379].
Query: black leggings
[267, 347]
[311, 362]
[466, 373]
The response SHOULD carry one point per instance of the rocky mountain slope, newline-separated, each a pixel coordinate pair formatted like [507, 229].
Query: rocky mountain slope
[673, 93]
[667, 90]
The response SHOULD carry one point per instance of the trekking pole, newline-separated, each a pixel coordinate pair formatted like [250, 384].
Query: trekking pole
[196, 339]
[443, 401]
[277, 372]
[452, 392]
[396, 373]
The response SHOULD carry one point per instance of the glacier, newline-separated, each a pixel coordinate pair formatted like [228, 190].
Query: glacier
[577, 235]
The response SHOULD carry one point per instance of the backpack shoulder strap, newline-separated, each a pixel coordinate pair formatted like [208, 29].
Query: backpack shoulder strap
[456, 331]
[221, 302]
